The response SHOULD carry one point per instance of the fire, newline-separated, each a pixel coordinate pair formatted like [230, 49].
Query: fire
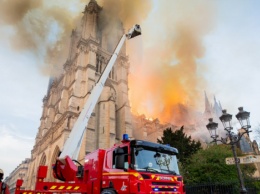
[168, 81]
[169, 74]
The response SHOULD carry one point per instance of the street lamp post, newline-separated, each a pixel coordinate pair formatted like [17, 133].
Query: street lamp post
[232, 138]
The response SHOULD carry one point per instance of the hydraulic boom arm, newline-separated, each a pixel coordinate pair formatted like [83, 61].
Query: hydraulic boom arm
[73, 143]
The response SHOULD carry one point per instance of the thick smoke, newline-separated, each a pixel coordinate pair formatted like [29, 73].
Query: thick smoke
[121, 12]
[129, 12]
[44, 27]
[169, 80]
[12, 11]
[41, 27]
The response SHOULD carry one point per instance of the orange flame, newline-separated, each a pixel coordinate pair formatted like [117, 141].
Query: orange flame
[168, 84]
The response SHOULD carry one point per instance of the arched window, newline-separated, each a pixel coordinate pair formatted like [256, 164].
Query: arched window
[97, 63]
[101, 65]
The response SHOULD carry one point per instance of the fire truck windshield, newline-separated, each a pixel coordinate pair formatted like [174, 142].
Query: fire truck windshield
[155, 161]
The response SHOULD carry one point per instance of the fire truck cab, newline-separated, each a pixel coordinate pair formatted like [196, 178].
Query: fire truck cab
[134, 166]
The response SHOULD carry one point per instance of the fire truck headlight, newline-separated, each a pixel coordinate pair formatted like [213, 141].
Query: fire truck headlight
[155, 189]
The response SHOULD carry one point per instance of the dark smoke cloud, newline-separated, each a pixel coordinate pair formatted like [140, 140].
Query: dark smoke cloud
[41, 29]
[129, 12]
[44, 27]
[12, 11]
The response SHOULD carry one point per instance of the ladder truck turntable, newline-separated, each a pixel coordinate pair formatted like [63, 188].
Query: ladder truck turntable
[134, 166]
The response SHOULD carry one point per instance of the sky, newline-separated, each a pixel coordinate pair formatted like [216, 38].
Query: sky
[227, 61]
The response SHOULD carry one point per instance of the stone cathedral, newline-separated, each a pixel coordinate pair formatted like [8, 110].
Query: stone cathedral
[90, 51]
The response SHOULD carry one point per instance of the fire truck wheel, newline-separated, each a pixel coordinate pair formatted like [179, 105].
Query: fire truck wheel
[108, 191]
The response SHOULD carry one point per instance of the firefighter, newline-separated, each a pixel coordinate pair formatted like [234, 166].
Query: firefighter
[3, 187]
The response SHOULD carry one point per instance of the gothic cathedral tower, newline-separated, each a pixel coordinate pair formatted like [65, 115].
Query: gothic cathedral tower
[90, 51]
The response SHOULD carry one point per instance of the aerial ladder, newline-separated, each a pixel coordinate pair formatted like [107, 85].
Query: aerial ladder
[65, 168]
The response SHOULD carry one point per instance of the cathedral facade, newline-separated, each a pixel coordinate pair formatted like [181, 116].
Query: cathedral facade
[90, 51]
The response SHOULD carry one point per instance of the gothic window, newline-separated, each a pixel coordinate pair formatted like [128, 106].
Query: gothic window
[68, 121]
[113, 73]
[101, 65]
[97, 67]
[97, 63]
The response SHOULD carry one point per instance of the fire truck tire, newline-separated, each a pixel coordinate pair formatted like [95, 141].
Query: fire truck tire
[108, 191]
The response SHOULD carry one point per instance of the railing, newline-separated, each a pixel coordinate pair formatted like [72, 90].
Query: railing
[231, 187]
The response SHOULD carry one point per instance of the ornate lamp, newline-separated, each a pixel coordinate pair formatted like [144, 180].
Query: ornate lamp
[232, 139]
[212, 127]
[243, 118]
[226, 120]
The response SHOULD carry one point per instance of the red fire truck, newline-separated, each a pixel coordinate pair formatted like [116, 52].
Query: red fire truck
[134, 166]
